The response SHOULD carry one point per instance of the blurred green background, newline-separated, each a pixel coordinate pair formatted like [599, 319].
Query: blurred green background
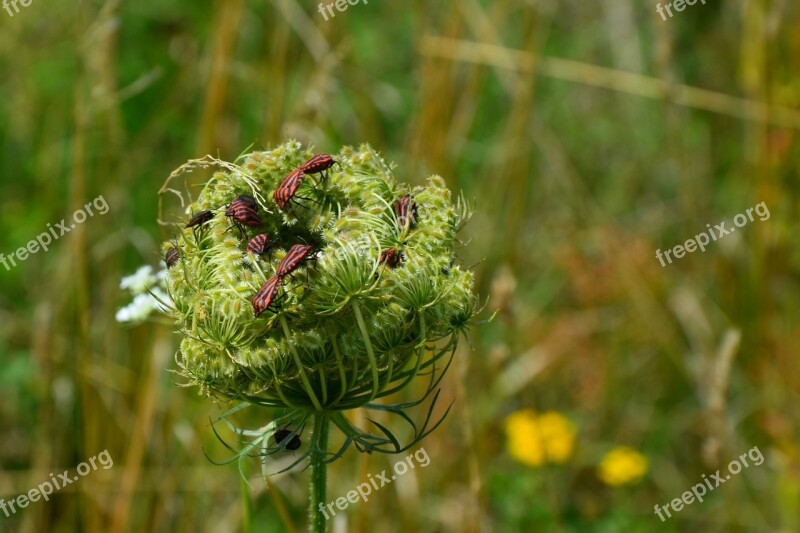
[591, 134]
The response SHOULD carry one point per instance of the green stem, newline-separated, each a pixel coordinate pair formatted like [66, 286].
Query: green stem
[323, 384]
[283, 398]
[356, 400]
[318, 474]
[247, 516]
[342, 372]
[373, 364]
[344, 426]
[301, 370]
[424, 334]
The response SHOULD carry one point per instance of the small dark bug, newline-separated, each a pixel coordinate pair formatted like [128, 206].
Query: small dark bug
[294, 257]
[391, 257]
[242, 215]
[259, 244]
[288, 188]
[266, 295]
[247, 200]
[405, 209]
[318, 163]
[171, 257]
[282, 434]
[198, 221]
[200, 218]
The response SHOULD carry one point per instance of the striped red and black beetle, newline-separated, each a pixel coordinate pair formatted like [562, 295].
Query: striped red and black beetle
[296, 255]
[288, 188]
[405, 209]
[391, 257]
[243, 215]
[247, 200]
[318, 163]
[265, 297]
[259, 245]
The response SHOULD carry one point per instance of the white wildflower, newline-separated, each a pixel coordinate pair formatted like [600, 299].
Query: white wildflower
[138, 310]
[144, 302]
[139, 282]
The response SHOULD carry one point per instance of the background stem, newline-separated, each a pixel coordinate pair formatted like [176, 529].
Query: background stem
[318, 474]
[247, 506]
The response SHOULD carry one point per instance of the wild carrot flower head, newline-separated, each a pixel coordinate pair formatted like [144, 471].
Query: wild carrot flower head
[346, 327]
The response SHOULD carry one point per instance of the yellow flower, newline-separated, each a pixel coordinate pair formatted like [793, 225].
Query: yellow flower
[622, 466]
[534, 440]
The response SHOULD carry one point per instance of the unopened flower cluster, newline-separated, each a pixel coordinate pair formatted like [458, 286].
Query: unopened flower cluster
[344, 325]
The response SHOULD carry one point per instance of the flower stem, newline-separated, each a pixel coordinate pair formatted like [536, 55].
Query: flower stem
[300, 369]
[342, 373]
[247, 515]
[318, 474]
[371, 354]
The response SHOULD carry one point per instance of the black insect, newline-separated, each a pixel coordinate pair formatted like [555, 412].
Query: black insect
[199, 220]
[171, 257]
[292, 444]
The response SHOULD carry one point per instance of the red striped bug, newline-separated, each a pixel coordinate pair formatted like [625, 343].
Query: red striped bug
[243, 215]
[259, 245]
[281, 436]
[247, 200]
[391, 257]
[318, 163]
[288, 188]
[171, 257]
[294, 257]
[405, 209]
[265, 297]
